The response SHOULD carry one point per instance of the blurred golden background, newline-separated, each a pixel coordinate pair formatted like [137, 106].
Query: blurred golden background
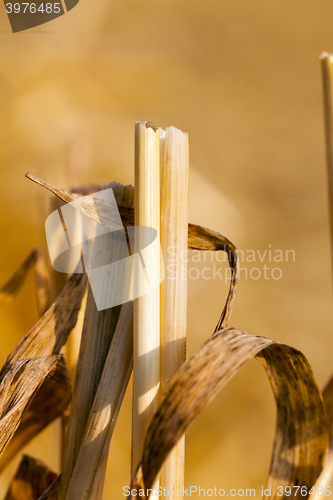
[244, 79]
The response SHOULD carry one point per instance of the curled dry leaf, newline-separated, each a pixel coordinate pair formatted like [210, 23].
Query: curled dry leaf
[199, 238]
[49, 403]
[32, 478]
[301, 435]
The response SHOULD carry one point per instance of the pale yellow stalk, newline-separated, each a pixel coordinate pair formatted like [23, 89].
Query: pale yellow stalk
[98, 486]
[146, 326]
[174, 229]
[327, 75]
[96, 438]
[326, 474]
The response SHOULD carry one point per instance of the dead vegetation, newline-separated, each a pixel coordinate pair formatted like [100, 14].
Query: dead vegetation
[36, 389]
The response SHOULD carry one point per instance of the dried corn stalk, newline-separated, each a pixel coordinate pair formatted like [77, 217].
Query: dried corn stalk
[174, 229]
[326, 476]
[105, 408]
[146, 323]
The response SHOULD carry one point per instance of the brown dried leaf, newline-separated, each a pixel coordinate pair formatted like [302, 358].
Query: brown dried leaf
[44, 288]
[16, 390]
[32, 478]
[199, 238]
[51, 331]
[301, 435]
[49, 403]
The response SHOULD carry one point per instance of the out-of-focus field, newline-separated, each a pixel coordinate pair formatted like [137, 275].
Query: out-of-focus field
[244, 79]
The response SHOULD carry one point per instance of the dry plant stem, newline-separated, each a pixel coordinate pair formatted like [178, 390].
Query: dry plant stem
[326, 476]
[97, 333]
[97, 491]
[146, 329]
[174, 229]
[107, 400]
[124, 195]
[327, 76]
[101, 469]
[94, 344]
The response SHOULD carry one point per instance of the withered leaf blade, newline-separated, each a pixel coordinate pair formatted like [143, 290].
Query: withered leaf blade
[98, 210]
[199, 238]
[51, 399]
[301, 434]
[16, 389]
[36, 259]
[31, 480]
[51, 332]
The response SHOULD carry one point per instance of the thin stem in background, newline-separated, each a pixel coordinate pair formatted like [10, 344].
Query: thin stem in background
[327, 70]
